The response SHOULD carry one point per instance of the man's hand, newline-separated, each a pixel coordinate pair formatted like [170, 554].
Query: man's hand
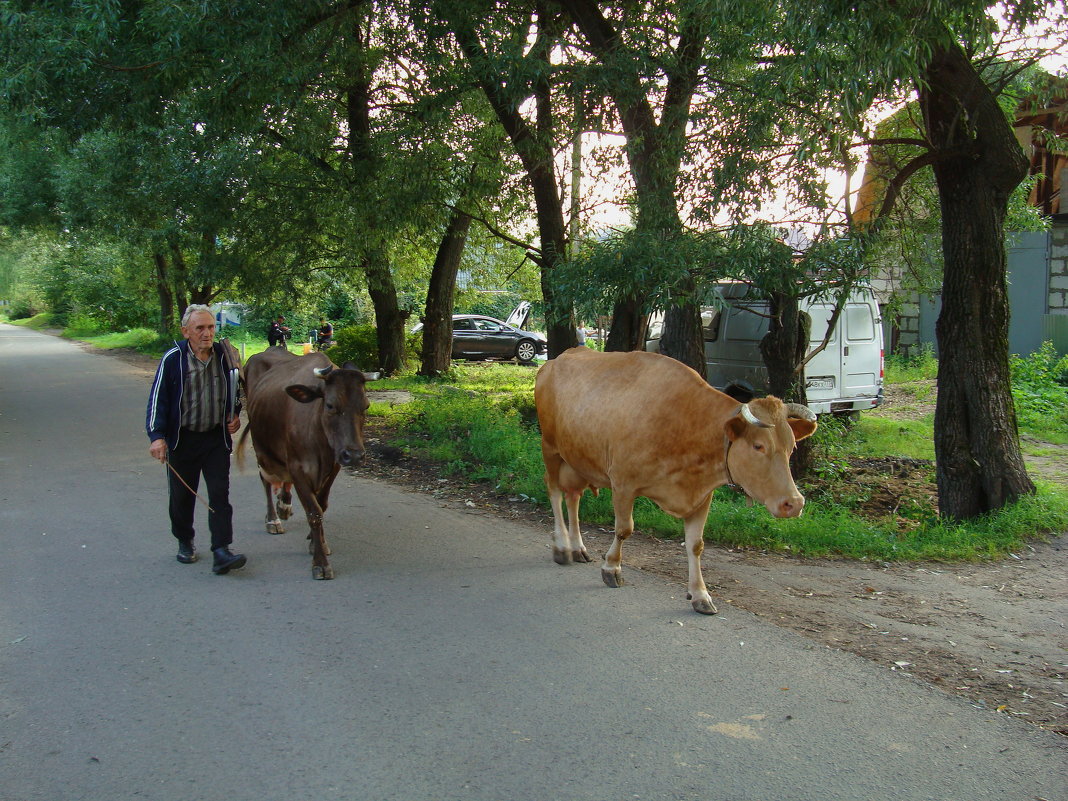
[233, 425]
[158, 449]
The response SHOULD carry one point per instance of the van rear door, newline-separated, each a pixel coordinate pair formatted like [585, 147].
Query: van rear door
[823, 373]
[862, 350]
[847, 374]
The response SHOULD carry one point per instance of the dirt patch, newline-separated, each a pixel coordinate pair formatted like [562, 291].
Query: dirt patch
[995, 633]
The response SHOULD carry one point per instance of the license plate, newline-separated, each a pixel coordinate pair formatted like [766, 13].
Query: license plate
[826, 382]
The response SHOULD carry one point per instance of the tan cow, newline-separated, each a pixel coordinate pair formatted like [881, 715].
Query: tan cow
[644, 424]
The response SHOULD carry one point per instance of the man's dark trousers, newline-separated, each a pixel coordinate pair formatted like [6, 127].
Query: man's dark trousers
[201, 452]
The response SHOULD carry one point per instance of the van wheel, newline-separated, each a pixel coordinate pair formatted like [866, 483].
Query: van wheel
[525, 351]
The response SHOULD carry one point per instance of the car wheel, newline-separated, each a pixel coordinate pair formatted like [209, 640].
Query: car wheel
[525, 351]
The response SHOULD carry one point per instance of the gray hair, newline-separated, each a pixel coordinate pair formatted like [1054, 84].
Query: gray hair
[194, 308]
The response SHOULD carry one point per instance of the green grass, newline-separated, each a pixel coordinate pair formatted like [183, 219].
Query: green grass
[37, 322]
[141, 339]
[903, 369]
[476, 423]
[875, 436]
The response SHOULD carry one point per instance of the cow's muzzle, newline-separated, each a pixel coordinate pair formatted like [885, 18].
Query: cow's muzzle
[350, 457]
[790, 506]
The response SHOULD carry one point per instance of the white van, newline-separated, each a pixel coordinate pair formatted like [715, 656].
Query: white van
[845, 376]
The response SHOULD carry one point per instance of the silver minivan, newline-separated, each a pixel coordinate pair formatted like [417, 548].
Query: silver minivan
[846, 376]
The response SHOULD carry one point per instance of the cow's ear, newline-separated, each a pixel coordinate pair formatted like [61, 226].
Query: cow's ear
[802, 428]
[303, 393]
[734, 428]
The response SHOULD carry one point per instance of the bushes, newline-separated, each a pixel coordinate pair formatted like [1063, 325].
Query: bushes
[1040, 391]
[359, 344]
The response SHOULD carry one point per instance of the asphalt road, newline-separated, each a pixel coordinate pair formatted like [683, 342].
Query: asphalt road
[449, 659]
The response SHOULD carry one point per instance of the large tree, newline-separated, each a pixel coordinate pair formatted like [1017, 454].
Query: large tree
[652, 61]
[980, 163]
[513, 73]
[966, 138]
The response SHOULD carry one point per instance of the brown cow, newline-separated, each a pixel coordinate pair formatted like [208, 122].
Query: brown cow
[306, 417]
[644, 424]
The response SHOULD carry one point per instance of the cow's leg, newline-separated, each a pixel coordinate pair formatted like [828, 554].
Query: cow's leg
[309, 499]
[561, 546]
[696, 591]
[322, 497]
[612, 568]
[561, 554]
[564, 485]
[284, 500]
[567, 538]
[273, 524]
[578, 548]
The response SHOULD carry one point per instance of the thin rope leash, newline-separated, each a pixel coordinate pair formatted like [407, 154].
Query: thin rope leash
[171, 468]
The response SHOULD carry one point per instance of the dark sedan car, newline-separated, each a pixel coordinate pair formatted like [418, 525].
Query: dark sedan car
[477, 337]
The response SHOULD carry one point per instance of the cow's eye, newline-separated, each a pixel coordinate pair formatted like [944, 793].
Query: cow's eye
[330, 407]
[758, 446]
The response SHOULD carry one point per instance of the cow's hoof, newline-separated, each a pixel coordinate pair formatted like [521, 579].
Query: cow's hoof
[613, 578]
[581, 556]
[284, 510]
[275, 527]
[322, 573]
[560, 556]
[702, 605]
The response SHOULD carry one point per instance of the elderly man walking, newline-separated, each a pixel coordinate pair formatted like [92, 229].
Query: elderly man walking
[192, 414]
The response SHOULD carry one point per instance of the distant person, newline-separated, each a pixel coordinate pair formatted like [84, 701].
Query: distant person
[192, 415]
[324, 337]
[277, 332]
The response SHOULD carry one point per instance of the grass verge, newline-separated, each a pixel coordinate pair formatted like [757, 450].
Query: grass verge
[490, 434]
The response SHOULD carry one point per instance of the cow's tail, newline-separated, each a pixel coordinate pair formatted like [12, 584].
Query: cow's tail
[239, 452]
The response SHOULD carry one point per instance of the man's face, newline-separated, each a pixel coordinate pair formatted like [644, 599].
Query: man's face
[200, 331]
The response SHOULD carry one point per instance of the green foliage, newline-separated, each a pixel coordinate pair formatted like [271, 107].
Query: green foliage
[1040, 392]
[355, 343]
[922, 366]
[907, 439]
[359, 344]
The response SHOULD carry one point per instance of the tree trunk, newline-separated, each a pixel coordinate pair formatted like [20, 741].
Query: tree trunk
[654, 152]
[784, 348]
[166, 295]
[977, 447]
[534, 148]
[180, 279]
[682, 337]
[365, 162]
[628, 326]
[389, 319]
[436, 356]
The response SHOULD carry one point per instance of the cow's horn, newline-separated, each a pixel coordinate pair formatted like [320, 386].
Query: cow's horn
[797, 410]
[322, 372]
[751, 418]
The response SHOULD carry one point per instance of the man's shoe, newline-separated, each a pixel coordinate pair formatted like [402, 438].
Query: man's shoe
[225, 561]
[187, 554]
